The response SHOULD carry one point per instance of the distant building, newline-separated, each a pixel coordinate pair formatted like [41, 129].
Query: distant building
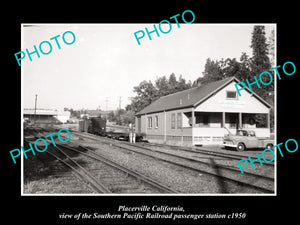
[63, 116]
[46, 116]
[202, 115]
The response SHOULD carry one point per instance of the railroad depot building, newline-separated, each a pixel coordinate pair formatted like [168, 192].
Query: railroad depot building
[46, 116]
[203, 115]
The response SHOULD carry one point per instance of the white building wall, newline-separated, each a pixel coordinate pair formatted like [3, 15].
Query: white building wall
[246, 103]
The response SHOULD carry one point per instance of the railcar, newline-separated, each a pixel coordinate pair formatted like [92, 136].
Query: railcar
[98, 126]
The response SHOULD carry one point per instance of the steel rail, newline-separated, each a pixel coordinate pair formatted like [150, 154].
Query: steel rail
[205, 163]
[83, 173]
[235, 170]
[239, 182]
[201, 150]
[203, 171]
[180, 148]
[103, 159]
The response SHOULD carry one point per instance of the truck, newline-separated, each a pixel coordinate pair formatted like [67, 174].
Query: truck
[246, 139]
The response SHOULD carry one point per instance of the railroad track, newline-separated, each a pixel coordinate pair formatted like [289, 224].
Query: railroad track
[177, 149]
[120, 179]
[255, 181]
[258, 182]
[198, 153]
[262, 183]
[110, 177]
[206, 151]
[80, 171]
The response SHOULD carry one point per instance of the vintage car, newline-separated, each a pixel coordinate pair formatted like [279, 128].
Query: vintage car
[246, 139]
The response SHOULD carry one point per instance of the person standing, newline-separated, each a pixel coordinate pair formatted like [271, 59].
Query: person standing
[131, 133]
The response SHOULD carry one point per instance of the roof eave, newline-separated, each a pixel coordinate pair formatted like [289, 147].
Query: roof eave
[164, 110]
[225, 84]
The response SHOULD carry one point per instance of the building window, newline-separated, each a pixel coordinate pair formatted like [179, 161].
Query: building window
[156, 121]
[179, 120]
[173, 121]
[231, 95]
[149, 122]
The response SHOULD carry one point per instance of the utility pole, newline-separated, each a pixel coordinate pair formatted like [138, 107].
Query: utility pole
[35, 108]
[120, 100]
[130, 99]
[106, 104]
[106, 108]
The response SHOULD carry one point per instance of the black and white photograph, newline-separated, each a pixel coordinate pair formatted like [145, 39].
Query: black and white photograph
[161, 116]
[131, 114]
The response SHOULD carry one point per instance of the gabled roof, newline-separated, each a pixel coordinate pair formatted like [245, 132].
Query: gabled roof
[191, 97]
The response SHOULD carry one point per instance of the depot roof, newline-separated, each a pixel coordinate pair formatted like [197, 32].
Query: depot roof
[49, 112]
[191, 97]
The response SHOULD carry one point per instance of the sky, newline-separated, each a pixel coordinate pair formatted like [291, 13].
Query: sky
[105, 62]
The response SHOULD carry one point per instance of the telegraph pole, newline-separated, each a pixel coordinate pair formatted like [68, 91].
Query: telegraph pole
[130, 99]
[35, 108]
[120, 99]
[106, 104]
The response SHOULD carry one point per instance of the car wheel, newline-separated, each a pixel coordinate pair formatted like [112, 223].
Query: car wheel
[240, 147]
[269, 146]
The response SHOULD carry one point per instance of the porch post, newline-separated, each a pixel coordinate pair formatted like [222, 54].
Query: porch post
[193, 124]
[165, 127]
[268, 120]
[223, 119]
[240, 120]
[193, 117]
[146, 124]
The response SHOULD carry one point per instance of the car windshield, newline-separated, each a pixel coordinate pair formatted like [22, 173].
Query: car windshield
[246, 133]
[242, 133]
[251, 133]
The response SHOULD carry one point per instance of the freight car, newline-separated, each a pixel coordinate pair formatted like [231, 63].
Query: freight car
[123, 134]
[98, 126]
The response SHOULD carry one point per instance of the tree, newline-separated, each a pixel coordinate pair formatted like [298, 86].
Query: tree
[212, 72]
[146, 92]
[271, 48]
[246, 68]
[162, 85]
[172, 82]
[182, 84]
[260, 61]
[218, 70]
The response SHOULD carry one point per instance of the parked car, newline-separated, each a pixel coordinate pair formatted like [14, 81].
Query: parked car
[245, 139]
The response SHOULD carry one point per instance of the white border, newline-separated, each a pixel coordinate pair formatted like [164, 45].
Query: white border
[153, 195]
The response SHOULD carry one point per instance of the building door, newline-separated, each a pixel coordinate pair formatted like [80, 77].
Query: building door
[233, 121]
